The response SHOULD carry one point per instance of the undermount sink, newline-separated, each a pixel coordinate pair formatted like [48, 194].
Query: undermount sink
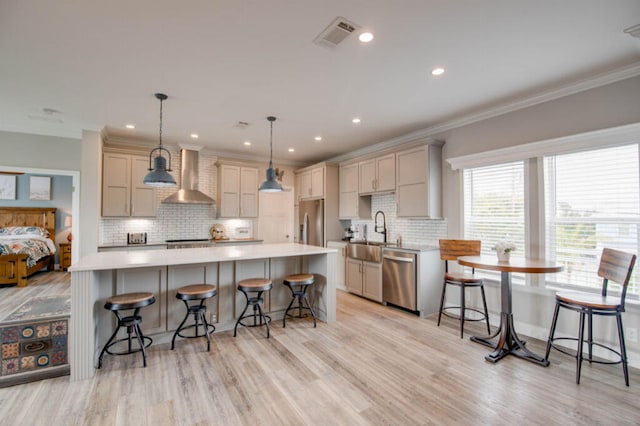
[369, 251]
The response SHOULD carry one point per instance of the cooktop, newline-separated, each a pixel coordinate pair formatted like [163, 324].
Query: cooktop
[189, 240]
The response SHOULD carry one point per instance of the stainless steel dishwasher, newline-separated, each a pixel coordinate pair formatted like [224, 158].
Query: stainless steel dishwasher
[399, 279]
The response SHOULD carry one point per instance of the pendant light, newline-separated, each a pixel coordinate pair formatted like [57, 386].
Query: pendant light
[159, 175]
[271, 184]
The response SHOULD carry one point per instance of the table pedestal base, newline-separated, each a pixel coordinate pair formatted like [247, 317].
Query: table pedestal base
[508, 343]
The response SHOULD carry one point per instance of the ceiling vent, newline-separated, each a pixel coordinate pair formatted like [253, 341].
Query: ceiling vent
[633, 31]
[337, 31]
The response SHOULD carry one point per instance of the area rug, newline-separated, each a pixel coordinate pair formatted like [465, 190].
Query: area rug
[41, 307]
[34, 340]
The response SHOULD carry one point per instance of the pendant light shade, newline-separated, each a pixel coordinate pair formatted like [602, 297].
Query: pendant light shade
[159, 175]
[271, 184]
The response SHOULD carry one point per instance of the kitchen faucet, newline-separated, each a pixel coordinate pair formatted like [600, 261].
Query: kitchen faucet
[377, 228]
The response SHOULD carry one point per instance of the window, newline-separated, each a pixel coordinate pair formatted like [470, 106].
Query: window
[592, 201]
[494, 206]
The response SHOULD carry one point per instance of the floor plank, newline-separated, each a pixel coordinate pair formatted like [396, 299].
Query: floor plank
[375, 365]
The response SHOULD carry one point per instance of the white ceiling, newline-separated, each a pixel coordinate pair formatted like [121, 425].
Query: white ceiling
[98, 63]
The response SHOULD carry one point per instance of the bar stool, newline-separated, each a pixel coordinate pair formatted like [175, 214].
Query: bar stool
[298, 284]
[124, 302]
[258, 286]
[196, 292]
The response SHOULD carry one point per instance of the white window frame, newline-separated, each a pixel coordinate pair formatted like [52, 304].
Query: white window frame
[532, 154]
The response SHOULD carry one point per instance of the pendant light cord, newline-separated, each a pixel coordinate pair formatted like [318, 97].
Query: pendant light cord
[271, 146]
[161, 122]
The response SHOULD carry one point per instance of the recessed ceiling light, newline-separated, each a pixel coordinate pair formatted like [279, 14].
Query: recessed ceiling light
[129, 126]
[437, 71]
[291, 150]
[247, 143]
[355, 120]
[194, 136]
[365, 37]
[318, 138]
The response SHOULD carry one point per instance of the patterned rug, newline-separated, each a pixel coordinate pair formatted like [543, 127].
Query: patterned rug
[34, 340]
[41, 307]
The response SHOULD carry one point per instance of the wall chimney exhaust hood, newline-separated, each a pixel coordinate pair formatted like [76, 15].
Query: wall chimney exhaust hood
[188, 192]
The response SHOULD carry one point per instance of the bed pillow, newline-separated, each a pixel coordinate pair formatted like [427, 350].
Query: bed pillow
[24, 230]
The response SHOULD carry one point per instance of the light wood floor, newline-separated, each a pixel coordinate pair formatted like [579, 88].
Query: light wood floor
[375, 365]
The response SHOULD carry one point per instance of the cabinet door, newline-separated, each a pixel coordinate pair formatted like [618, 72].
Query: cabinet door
[116, 184]
[317, 182]
[354, 276]
[340, 262]
[348, 205]
[372, 281]
[249, 192]
[229, 191]
[349, 178]
[143, 197]
[367, 173]
[154, 281]
[305, 185]
[386, 173]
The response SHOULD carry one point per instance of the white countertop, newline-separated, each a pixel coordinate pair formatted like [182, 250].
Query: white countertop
[147, 258]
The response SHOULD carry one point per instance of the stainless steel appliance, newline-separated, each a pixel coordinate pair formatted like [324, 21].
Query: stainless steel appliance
[311, 216]
[399, 279]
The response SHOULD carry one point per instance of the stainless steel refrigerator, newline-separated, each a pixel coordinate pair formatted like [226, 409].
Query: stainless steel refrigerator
[311, 220]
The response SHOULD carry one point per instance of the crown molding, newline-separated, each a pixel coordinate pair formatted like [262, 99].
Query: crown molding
[623, 73]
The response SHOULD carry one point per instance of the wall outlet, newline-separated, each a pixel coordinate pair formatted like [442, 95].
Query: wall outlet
[214, 318]
[631, 334]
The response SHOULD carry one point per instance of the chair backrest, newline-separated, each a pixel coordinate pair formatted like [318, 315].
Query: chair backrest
[453, 249]
[616, 265]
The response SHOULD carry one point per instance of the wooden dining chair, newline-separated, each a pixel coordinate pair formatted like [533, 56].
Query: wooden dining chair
[451, 250]
[614, 266]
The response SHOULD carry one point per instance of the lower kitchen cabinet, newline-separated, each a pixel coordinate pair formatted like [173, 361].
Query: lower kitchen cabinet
[153, 280]
[340, 262]
[364, 278]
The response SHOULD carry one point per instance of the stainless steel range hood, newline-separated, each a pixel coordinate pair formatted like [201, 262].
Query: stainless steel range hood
[188, 192]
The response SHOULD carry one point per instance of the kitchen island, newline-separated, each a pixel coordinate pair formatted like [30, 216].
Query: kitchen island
[101, 275]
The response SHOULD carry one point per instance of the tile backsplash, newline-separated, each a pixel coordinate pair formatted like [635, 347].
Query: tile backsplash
[412, 231]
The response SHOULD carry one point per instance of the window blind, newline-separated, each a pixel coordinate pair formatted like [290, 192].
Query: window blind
[494, 205]
[592, 201]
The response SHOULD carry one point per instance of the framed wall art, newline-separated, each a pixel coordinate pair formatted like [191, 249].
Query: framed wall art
[40, 188]
[7, 187]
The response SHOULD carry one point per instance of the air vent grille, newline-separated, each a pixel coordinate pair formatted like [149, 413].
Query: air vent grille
[335, 32]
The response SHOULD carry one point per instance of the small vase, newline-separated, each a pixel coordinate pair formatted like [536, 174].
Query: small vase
[503, 257]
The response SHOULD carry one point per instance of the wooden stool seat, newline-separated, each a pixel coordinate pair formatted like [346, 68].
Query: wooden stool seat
[124, 302]
[298, 284]
[258, 286]
[129, 301]
[198, 292]
[255, 284]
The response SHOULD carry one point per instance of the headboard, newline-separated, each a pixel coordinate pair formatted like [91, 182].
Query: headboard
[44, 217]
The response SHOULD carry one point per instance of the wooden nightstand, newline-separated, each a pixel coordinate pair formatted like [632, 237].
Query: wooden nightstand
[65, 256]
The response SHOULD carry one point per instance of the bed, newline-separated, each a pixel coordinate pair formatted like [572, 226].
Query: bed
[15, 268]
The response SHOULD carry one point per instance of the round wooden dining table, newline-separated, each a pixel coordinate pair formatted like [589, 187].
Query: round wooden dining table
[508, 342]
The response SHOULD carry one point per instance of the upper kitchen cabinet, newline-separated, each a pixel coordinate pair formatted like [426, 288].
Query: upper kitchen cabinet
[352, 205]
[378, 174]
[311, 183]
[123, 193]
[419, 181]
[237, 191]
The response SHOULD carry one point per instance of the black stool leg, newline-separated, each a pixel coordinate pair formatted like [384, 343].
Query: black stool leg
[284, 318]
[262, 317]
[313, 314]
[486, 311]
[113, 336]
[623, 349]
[444, 290]
[580, 343]
[173, 339]
[462, 306]
[552, 332]
[140, 336]
[235, 329]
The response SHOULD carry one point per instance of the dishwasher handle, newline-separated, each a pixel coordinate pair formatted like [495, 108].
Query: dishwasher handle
[398, 259]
